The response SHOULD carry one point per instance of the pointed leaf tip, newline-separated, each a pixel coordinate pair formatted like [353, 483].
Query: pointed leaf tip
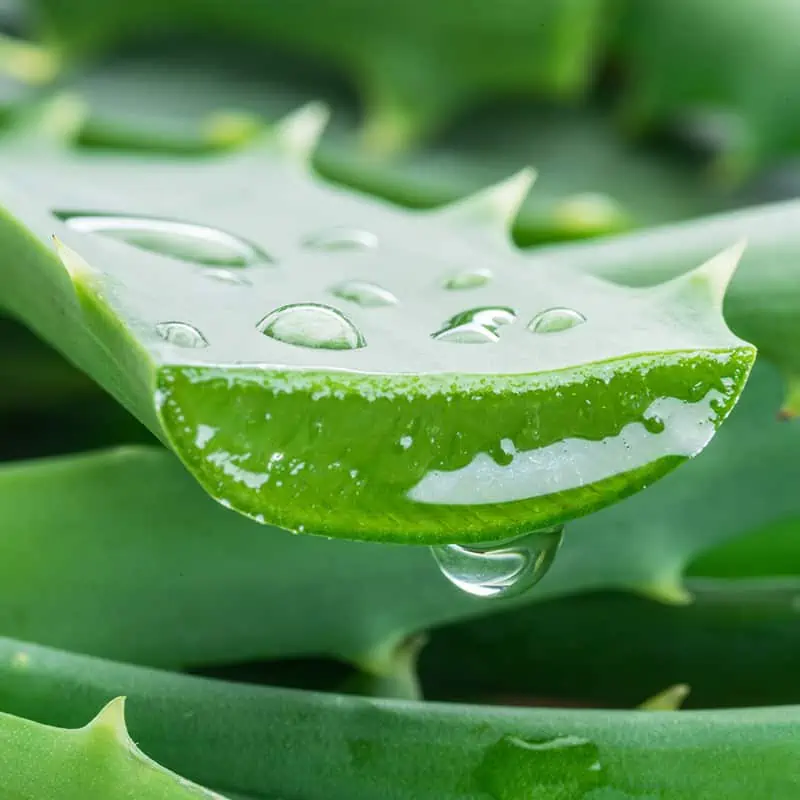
[669, 591]
[671, 699]
[716, 274]
[112, 718]
[790, 408]
[298, 133]
[75, 265]
[57, 120]
[495, 207]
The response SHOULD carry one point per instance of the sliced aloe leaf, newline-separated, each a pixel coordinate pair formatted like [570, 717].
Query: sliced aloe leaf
[211, 305]
[268, 743]
[154, 572]
[96, 762]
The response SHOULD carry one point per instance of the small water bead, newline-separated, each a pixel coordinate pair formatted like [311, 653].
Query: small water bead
[653, 423]
[500, 569]
[181, 334]
[197, 244]
[312, 325]
[476, 325]
[554, 320]
[363, 293]
[469, 279]
[341, 239]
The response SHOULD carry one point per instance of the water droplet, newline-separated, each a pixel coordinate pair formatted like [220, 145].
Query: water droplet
[554, 320]
[366, 294]
[342, 239]
[476, 325]
[181, 334]
[653, 423]
[469, 279]
[198, 244]
[312, 325]
[227, 276]
[504, 568]
[564, 768]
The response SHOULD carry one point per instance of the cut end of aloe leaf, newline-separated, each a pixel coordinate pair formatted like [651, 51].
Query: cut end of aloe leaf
[312, 357]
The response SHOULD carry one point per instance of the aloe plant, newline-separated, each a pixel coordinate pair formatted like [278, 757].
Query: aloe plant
[386, 375]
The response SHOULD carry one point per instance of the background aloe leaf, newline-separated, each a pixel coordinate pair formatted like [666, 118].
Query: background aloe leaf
[268, 743]
[215, 581]
[98, 761]
[546, 50]
[728, 69]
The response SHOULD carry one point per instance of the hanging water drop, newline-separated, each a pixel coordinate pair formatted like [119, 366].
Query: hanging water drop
[312, 325]
[197, 244]
[469, 279]
[502, 569]
[363, 293]
[181, 334]
[341, 239]
[476, 325]
[554, 320]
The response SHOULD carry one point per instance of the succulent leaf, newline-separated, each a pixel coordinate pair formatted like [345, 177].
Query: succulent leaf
[415, 65]
[336, 417]
[96, 762]
[264, 742]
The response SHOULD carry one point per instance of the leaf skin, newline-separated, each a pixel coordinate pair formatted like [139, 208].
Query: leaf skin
[264, 742]
[215, 581]
[96, 762]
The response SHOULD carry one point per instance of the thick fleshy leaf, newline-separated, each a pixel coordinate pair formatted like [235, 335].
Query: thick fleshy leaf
[231, 327]
[96, 762]
[265, 742]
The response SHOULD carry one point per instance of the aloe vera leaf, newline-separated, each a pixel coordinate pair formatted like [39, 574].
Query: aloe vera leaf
[414, 65]
[737, 65]
[735, 645]
[266, 742]
[98, 761]
[364, 425]
[232, 577]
